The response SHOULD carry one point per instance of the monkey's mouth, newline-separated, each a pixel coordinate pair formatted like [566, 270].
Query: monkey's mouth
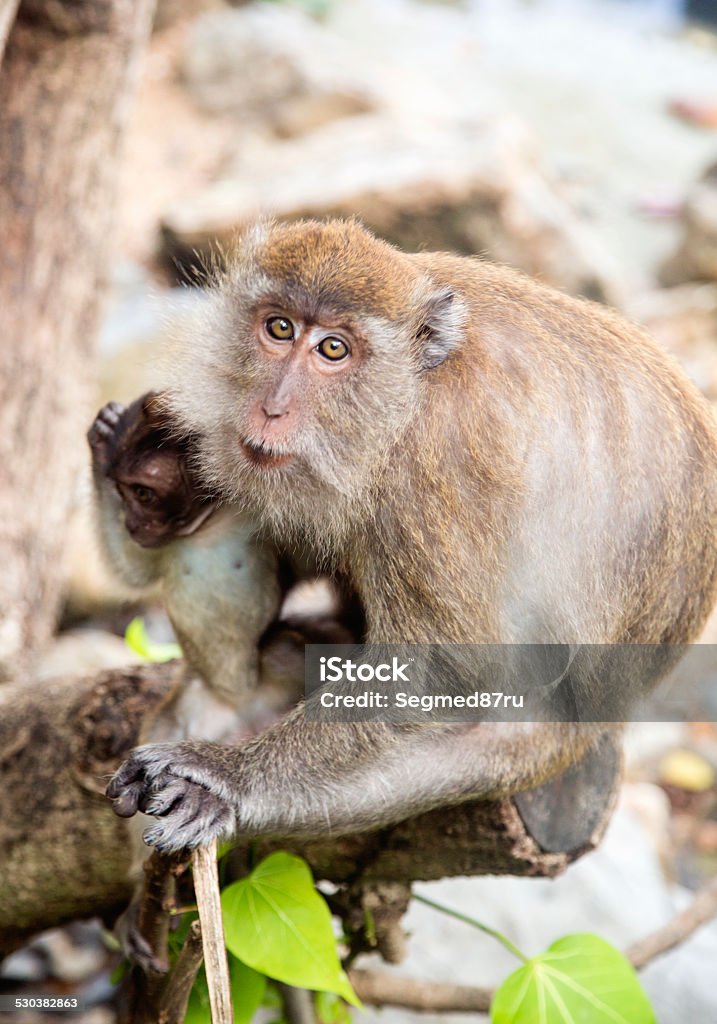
[263, 455]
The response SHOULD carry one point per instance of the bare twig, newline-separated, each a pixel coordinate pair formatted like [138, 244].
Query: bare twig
[153, 909]
[206, 888]
[179, 983]
[702, 909]
[379, 988]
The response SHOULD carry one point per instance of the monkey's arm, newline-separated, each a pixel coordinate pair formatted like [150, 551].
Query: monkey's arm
[136, 566]
[352, 777]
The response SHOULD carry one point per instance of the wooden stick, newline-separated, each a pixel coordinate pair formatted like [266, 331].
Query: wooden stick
[702, 909]
[206, 889]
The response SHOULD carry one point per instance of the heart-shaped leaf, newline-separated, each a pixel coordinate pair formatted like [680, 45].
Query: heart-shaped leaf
[278, 923]
[581, 979]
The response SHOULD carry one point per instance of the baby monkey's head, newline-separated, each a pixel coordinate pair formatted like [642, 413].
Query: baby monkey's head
[152, 468]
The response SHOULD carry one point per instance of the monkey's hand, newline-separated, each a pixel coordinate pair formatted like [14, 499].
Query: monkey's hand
[175, 783]
[102, 435]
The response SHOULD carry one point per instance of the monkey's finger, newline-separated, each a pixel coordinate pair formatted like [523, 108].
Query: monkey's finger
[168, 838]
[100, 430]
[126, 788]
[127, 803]
[128, 773]
[145, 764]
[187, 799]
[200, 818]
[161, 802]
[134, 945]
[106, 421]
[112, 412]
[138, 951]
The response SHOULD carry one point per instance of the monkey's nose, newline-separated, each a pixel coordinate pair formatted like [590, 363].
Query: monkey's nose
[274, 408]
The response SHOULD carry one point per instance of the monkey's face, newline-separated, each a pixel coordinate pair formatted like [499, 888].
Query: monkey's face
[322, 394]
[311, 368]
[159, 500]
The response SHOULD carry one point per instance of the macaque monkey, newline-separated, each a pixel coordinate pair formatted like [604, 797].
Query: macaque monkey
[219, 582]
[485, 459]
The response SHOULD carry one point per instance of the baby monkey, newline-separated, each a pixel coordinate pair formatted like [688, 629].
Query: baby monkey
[222, 587]
[161, 528]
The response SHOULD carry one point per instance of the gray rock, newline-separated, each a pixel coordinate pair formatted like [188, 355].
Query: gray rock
[696, 256]
[472, 186]
[271, 64]
[619, 892]
[684, 320]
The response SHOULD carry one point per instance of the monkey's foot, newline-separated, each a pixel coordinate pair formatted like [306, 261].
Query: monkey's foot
[135, 946]
[170, 782]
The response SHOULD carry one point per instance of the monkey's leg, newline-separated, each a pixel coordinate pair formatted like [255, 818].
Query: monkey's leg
[303, 778]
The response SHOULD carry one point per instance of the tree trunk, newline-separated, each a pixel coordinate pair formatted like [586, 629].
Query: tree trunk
[65, 855]
[65, 80]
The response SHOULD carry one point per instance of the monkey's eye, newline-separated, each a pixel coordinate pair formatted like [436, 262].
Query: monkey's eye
[333, 349]
[280, 328]
[144, 495]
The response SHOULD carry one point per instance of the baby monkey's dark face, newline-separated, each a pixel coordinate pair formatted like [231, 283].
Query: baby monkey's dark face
[159, 497]
[136, 448]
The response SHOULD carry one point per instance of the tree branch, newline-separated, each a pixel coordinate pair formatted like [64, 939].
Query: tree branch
[173, 1007]
[298, 1004]
[59, 743]
[379, 988]
[702, 909]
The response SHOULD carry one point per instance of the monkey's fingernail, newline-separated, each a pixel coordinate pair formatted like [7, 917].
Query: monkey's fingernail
[125, 806]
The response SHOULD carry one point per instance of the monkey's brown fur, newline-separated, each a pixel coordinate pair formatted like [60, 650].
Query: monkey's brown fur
[492, 462]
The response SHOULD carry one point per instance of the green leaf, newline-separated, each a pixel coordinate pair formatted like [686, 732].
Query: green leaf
[135, 636]
[369, 926]
[331, 1009]
[247, 988]
[198, 1011]
[119, 972]
[177, 935]
[581, 979]
[272, 997]
[278, 923]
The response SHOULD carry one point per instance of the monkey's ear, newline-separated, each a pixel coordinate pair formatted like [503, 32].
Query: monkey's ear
[440, 328]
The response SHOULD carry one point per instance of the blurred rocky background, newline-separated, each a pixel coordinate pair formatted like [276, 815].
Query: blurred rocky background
[573, 139]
